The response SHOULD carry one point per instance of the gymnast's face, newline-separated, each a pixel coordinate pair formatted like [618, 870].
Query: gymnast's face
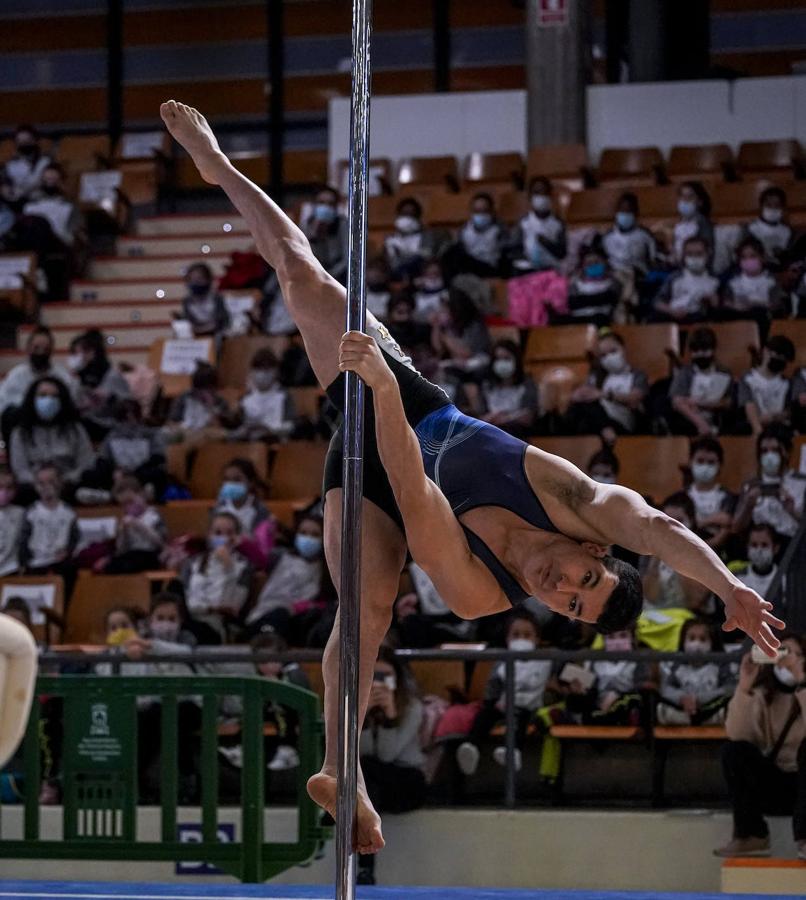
[571, 579]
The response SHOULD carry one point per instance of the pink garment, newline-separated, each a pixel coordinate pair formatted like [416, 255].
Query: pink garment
[257, 546]
[457, 720]
[531, 296]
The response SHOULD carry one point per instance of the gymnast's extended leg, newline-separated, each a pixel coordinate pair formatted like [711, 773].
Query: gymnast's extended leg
[317, 304]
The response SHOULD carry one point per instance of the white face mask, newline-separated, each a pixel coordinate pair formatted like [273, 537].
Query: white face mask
[613, 361]
[772, 215]
[165, 630]
[760, 557]
[504, 368]
[75, 362]
[695, 645]
[407, 224]
[523, 644]
[696, 264]
[783, 675]
[703, 472]
[541, 203]
[771, 462]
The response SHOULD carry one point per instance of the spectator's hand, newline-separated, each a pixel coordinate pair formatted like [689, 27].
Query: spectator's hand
[689, 704]
[136, 647]
[587, 393]
[746, 610]
[406, 605]
[753, 495]
[748, 672]
[224, 555]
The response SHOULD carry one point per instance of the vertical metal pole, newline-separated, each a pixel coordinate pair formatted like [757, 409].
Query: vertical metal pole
[275, 23]
[350, 588]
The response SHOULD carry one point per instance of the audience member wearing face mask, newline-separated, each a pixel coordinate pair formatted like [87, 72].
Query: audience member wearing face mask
[240, 495]
[611, 400]
[11, 523]
[664, 588]
[267, 408]
[291, 599]
[770, 227]
[25, 169]
[540, 240]
[460, 338]
[200, 414]
[691, 292]
[49, 432]
[763, 546]
[594, 294]
[411, 243]
[695, 693]
[764, 761]
[482, 241]
[714, 505]
[694, 210]
[413, 335]
[630, 247]
[531, 678]
[217, 581]
[379, 291]
[328, 234]
[775, 497]
[765, 392]
[701, 391]
[202, 305]
[508, 397]
[101, 385]
[753, 292]
[430, 292]
[603, 467]
[142, 532]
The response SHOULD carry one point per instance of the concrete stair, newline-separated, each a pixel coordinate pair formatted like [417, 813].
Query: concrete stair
[104, 315]
[183, 245]
[215, 223]
[764, 876]
[128, 291]
[126, 335]
[111, 268]
[118, 353]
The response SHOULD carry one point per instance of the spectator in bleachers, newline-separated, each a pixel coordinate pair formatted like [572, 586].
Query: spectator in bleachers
[389, 746]
[49, 532]
[120, 626]
[481, 244]
[49, 431]
[753, 292]
[378, 289]
[460, 338]
[291, 599]
[540, 242]
[764, 760]
[19, 379]
[508, 397]
[141, 531]
[8, 215]
[25, 170]
[594, 292]
[200, 414]
[691, 292]
[775, 496]
[166, 620]
[713, 504]
[100, 384]
[327, 232]
[701, 392]
[695, 693]
[267, 408]
[531, 678]
[421, 617]
[411, 243]
[765, 392]
[413, 335]
[240, 495]
[217, 581]
[770, 227]
[763, 546]
[694, 208]
[664, 588]
[798, 414]
[430, 292]
[203, 306]
[11, 522]
[611, 400]
[630, 247]
[604, 466]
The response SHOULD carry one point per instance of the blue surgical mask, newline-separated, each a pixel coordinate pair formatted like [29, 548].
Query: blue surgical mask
[199, 290]
[625, 220]
[596, 270]
[686, 208]
[233, 491]
[307, 546]
[482, 220]
[324, 212]
[47, 407]
[217, 540]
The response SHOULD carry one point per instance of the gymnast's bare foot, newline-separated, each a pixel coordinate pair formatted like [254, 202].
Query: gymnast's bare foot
[369, 838]
[189, 128]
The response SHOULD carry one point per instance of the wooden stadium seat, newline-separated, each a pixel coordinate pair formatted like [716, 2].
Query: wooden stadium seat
[630, 165]
[439, 677]
[652, 465]
[576, 449]
[512, 206]
[296, 472]
[237, 352]
[795, 330]
[314, 672]
[740, 460]
[206, 469]
[738, 201]
[556, 383]
[286, 511]
[174, 385]
[736, 344]
[307, 401]
[562, 163]
[698, 162]
[689, 733]
[647, 347]
[560, 343]
[486, 168]
[427, 170]
[19, 288]
[478, 680]
[29, 587]
[656, 202]
[187, 516]
[771, 158]
[93, 596]
[449, 210]
[597, 732]
[593, 207]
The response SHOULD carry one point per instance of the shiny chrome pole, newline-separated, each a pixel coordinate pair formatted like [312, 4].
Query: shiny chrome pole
[350, 585]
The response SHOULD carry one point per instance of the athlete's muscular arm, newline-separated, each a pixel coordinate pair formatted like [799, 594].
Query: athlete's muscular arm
[433, 533]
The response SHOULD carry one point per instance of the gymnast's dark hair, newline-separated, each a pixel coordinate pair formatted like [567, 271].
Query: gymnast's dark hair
[626, 600]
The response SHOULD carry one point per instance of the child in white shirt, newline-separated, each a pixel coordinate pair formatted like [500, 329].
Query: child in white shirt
[50, 531]
[11, 523]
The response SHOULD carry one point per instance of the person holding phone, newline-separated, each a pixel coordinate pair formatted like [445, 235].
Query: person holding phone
[764, 760]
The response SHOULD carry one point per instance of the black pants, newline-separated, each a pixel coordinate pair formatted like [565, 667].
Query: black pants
[489, 716]
[149, 745]
[757, 786]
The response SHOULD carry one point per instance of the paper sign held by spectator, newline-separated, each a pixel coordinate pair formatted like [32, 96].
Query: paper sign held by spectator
[100, 187]
[96, 530]
[138, 145]
[13, 268]
[572, 672]
[179, 357]
[36, 596]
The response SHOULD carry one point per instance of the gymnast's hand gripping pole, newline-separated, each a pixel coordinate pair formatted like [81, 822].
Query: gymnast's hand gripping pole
[350, 585]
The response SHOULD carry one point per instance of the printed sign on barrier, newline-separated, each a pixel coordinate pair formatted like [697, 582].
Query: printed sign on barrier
[191, 833]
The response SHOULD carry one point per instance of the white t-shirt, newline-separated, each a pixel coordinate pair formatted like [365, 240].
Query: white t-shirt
[759, 583]
[707, 503]
[266, 408]
[293, 578]
[11, 519]
[51, 531]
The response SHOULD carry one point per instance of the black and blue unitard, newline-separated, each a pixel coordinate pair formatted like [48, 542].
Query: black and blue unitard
[472, 462]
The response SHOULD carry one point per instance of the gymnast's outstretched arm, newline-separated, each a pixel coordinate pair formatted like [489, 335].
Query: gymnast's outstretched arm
[433, 533]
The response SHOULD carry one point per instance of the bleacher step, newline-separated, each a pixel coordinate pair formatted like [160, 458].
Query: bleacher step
[199, 245]
[126, 335]
[118, 353]
[112, 268]
[214, 223]
[126, 291]
[104, 315]
[764, 876]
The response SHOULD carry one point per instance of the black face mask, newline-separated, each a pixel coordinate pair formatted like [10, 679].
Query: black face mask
[51, 190]
[40, 362]
[199, 290]
[702, 362]
[776, 364]
[27, 150]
